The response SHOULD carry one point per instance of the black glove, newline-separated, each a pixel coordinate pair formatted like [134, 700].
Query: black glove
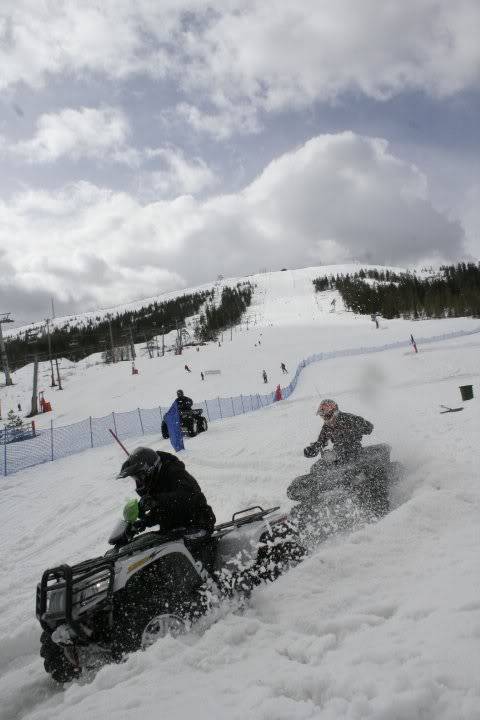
[138, 526]
[310, 451]
[134, 528]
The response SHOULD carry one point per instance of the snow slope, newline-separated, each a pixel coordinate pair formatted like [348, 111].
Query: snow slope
[383, 623]
[286, 322]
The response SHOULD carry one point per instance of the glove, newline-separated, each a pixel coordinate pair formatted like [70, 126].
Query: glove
[148, 511]
[138, 526]
[310, 451]
[145, 505]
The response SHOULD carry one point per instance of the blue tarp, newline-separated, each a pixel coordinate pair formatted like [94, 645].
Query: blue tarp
[172, 418]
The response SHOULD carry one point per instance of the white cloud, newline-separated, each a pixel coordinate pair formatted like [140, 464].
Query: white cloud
[179, 175]
[86, 132]
[338, 197]
[225, 120]
[247, 55]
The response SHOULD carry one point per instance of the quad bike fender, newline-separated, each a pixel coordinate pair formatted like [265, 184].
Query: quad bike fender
[247, 538]
[130, 565]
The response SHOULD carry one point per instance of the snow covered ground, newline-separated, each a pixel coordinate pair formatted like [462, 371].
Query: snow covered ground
[287, 321]
[383, 623]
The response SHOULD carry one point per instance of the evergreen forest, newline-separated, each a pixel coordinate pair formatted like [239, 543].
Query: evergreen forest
[452, 292]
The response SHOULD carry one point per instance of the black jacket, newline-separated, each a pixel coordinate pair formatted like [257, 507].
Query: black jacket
[174, 498]
[184, 404]
[346, 435]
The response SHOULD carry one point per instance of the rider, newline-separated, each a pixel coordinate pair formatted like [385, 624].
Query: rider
[184, 404]
[169, 495]
[343, 429]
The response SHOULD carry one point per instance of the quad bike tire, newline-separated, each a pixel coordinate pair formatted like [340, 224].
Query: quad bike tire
[138, 628]
[202, 424]
[55, 662]
[192, 431]
[165, 433]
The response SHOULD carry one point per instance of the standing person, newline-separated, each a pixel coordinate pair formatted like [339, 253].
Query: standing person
[170, 496]
[202, 376]
[342, 429]
[265, 378]
[283, 368]
[187, 368]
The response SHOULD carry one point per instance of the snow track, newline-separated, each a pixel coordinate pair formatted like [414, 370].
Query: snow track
[379, 624]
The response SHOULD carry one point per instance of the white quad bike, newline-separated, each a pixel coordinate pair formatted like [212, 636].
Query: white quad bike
[340, 495]
[154, 584]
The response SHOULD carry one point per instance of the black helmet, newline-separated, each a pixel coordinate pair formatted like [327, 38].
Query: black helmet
[179, 393]
[140, 464]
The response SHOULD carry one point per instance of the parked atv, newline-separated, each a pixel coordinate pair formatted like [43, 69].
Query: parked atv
[191, 424]
[154, 584]
[337, 495]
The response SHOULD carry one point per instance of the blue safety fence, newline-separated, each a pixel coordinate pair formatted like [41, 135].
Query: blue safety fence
[57, 442]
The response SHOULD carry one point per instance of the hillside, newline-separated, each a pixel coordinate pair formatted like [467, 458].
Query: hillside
[286, 322]
[381, 623]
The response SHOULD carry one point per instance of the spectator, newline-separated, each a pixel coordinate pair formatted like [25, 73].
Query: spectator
[202, 376]
[283, 368]
[265, 378]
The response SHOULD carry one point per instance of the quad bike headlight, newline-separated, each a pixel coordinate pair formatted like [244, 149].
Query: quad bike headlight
[93, 588]
[55, 602]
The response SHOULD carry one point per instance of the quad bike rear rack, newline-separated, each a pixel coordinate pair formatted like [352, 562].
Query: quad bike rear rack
[245, 519]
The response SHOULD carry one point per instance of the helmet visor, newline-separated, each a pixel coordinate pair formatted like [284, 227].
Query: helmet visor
[140, 483]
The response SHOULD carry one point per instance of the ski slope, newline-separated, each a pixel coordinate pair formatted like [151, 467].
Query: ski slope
[286, 322]
[383, 623]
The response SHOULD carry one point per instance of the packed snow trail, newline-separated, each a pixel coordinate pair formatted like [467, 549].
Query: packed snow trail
[379, 624]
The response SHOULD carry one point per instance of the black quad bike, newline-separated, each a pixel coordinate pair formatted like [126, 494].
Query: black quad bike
[154, 584]
[191, 423]
[338, 495]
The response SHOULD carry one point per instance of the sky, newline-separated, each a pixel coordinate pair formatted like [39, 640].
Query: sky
[148, 146]
[379, 623]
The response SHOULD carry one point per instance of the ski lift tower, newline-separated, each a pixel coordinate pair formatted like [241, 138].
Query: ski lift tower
[4, 318]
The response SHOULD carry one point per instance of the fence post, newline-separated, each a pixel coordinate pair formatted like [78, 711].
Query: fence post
[259, 401]
[114, 423]
[219, 407]
[206, 408]
[161, 414]
[140, 418]
[91, 431]
[5, 446]
[243, 407]
[233, 407]
[51, 436]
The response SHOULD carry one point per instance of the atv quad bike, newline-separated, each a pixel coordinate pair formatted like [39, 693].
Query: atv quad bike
[338, 495]
[154, 584]
[190, 424]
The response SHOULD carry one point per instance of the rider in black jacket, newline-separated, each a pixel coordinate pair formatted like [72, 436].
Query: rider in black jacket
[184, 404]
[170, 496]
[344, 430]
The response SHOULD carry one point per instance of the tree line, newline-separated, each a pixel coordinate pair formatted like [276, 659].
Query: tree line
[453, 292]
[77, 339]
[216, 318]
